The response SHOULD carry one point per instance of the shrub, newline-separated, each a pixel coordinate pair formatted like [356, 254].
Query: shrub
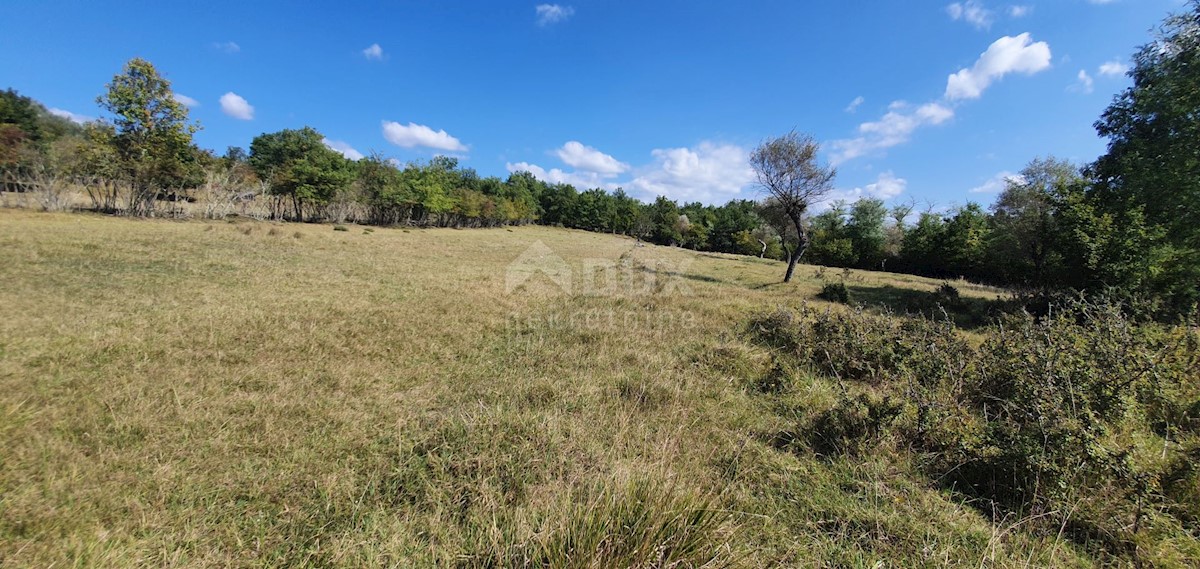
[835, 292]
[947, 295]
[1080, 419]
[340, 227]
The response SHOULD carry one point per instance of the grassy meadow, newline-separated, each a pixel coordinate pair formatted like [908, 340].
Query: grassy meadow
[250, 394]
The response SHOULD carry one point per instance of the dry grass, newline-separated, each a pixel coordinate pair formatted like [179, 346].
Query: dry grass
[253, 394]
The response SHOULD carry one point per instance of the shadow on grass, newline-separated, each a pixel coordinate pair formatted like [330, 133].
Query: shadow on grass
[967, 313]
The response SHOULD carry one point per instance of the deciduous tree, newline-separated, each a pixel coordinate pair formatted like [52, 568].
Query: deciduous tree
[787, 168]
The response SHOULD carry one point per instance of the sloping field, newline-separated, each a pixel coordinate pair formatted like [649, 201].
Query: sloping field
[249, 394]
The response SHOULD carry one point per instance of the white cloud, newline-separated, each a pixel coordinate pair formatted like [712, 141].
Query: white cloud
[581, 180]
[235, 106]
[1113, 69]
[227, 47]
[708, 172]
[1019, 11]
[580, 157]
[80, 119]
[1006, 55]
[998, 183]
[855, 104]
[972, 12]
[553, 13]
[711, 173]
[885, 186]
[373, 52]
[414, 135]
[894, 128]
[343, 148]
[1084, 83]
[185, 100]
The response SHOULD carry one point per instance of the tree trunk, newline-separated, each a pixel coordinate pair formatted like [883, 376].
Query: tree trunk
[801, 246]
[762, 253]
[792, 259]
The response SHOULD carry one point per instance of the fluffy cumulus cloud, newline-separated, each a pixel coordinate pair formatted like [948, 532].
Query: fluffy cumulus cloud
[973, 12]
[235, 106]
[373, 52]
[548, 14]
[997, 183]
[185, 100]
[581, 180]
[708, 172]
[885, 186]
[75, 118]
[894, 128]
[343, 148]
[577, 155]
[415, 135]
[1113, 69]
[1009, 54]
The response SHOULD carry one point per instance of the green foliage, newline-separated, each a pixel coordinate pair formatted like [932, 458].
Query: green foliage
[664, 217]
[866, 232]
[1150, 169]
[1081, 420]
[835, 292]
[298, 165]
[948, 296]
[151, 136]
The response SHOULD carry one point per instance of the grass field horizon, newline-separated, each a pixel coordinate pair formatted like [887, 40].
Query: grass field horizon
[187, 393]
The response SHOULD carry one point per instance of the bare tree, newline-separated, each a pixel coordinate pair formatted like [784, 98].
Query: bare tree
[788, 170]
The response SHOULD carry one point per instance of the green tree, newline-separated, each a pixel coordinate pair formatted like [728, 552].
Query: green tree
[387, 197]
[788, 170]
[1152, 164]
[921, 252]
[831, 246]
[296, 164]
[152, 136]
[664, 216]
[964, 241]
[1025, 223]
[866, 232]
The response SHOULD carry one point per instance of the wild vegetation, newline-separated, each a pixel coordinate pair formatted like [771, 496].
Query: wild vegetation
[1120, 229]
[238, 390]
[258, 394]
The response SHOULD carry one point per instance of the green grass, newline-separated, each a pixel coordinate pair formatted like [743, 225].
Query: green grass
[253, 394]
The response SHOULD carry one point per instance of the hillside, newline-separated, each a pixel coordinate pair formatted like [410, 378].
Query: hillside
[256, 394]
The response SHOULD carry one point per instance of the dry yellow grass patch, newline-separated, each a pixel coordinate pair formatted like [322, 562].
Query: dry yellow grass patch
[256, 394]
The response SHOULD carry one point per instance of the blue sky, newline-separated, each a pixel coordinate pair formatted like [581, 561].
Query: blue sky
[929, 101]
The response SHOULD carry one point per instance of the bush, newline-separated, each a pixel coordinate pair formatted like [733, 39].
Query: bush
[835, 292]
[947, 295]
[340, 227]
[1081, 419]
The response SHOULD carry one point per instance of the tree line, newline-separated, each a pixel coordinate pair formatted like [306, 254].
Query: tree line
[1126, 226]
